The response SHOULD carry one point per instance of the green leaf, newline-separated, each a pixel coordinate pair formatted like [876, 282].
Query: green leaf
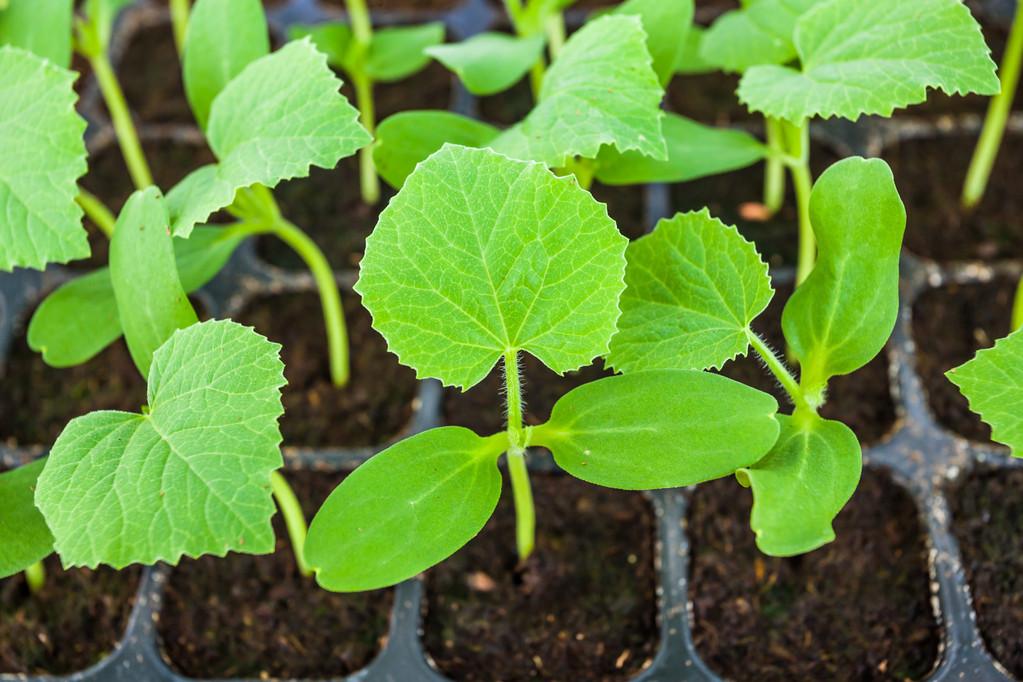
[871, 58]
[42, 138]
[39, 26]
[489, 63]
[480, 255]
[993, 383]
[24, 537]
[397, 53]
[690, 62]
[802, 484]
[760, 33]
[405, 510]
[151, 302]
[601, 90]
[693, 286]
[694, 151]
[191, 475]
[660, 429]
[277, 118]
[843, 314]
[332, 38]
[667, 23]
[79, 319]
[409, 138]
[224, 36]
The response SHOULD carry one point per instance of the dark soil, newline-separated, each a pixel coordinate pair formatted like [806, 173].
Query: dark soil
[150, 74]
[856, 609]
[405, 5]
[257, 617]
[509, 107]
[626, 205]
[949, 326]
[708, 98]
[986, 509]
[583, 606]
[930, 175]
[71, 624]
[375, 407]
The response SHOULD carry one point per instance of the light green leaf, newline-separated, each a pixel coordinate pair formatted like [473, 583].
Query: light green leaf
[993, 383]
[79, 319]
[760, 33]
[39, 26]
[802, 484]
[870, 58]
[442, 486]
[693, 287]
[24, 537]
[694, 151]
[332, 38]
[489, 63]
[191, 475]
[397, 53]
[842, 315]
[224, 36]
[690, 62]
[667, 24]
[601, 90]
[151, 302]
[407, 139]
[42, 138]
[281, 115]
[660, 429]
[480, 255]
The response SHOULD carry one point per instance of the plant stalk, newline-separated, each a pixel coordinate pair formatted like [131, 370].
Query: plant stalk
[294, 519]
[797, 144]
[179, 11]
[35, 577]
[986, 153]
[101, 216]
[362, 34]
[781, 373]
[1017, 308]
[556, 34]
[522, 493]
[538, 71]
[124, 128]
[774, 170]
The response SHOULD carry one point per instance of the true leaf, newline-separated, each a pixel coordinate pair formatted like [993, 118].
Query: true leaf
[870, 58]
[39, 26]
[802, 484]
[993, 383]
[489, 63]
[41, 136]
[224, 36]
[282, 114]
[441, 485]
[667, 23]
[693, 287]
[188, 476]
[659, 429]
[480, 255]
[760, 33]
[843, 314]
[24, 537]
[151, 302]
[397, 53]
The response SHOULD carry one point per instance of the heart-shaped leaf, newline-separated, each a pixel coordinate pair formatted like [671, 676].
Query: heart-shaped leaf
[24, 537]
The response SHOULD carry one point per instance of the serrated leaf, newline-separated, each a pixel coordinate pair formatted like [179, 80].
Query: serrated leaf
[694, 151]
[667, 23]
[442, 487]
[41, 136]
[659, 429]
[842, 315]
[409, 138]
[480, 255]
[871, 58]
[189, 477]
[489, 63]
[24, 537]
[79, 319]
[993, 383]
[693, 287]
[39, 26]
[224, 36]
[760, 33]
[281, 115]
[151, 302]
[397, 53]
[802, 484]
[601, 90]
[332, 38]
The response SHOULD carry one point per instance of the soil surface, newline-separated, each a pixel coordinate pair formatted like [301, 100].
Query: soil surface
[986, 509]
[257, 617]
[949, 326]
[509, 107]
[373, 408]
[856, 609]
[150, 74]
[405, 5]
[708, 98]
[583, 606]
[930, 175]
[71, 624]
[626, 205]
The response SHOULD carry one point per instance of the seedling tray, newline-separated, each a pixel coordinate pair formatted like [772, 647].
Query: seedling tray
[919, 454]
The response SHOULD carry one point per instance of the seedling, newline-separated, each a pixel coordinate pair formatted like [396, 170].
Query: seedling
[694, 287]
[477, 259]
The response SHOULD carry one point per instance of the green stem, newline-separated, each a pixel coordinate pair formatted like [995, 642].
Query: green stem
[362, 26]
[997, 117]
[797, 144]
[127, 137]
[555, 26]
[1017, 308]
[101, 216]
[522, 493]
[294, 519]
[539, 70]
[367, 111]
[774, 172]
[781, 372]
[179, 10]
[35, 577]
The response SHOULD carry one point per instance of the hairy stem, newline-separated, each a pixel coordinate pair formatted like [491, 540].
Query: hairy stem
[525, 516]
[294, 519]
[101, 216]
[124, 128]
[781, 372]
[35, 577]
[797, 144]
[774, 171]
[997, 117]
[179, 10]
[1017, 308]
